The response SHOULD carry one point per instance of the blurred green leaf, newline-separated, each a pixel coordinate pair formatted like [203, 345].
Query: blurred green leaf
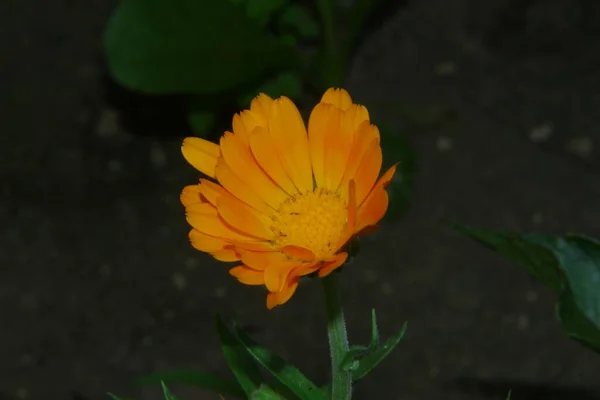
[167, 393]
[397, 149]
[509, 395]
[195, 378]
[239, 360]
[298, 19]
[287, 84]
[360, 360]
[189, 46]
[200, 118]
[285, 373]
[115, 397]
[262, 10]
[569, 265]
[526, 250]
[266, 393]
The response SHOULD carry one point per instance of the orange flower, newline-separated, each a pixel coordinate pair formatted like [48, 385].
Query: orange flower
[283, 202]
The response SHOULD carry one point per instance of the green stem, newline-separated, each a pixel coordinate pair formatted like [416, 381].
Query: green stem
[341, 382]
[332, 63]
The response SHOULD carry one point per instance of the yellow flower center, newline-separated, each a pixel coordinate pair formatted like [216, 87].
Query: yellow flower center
[314, 220]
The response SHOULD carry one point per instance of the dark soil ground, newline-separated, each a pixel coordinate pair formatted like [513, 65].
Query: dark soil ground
[99, 285]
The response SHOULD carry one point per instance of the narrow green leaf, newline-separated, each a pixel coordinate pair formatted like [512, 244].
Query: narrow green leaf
[200, 379]
[298, 18]
[570, 265]
[373, 359]
[285, 373]
[241, 364]
[374, 329]
[262, 10]
[190, 46]
[509, 395]
[266, 393]
[114, 396]
[167, 393]
[397, 149]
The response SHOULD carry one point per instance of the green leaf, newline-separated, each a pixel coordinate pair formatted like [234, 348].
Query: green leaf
[528, 251]
[167, 392]
[240, 362]
[262, 10]
[190, 46]
[298, 19]
[508, 396]
[569, 265]
[397, 149]
[266, 393]
[195, 378]
[376, 355]
[114, 396]
[350, 361]
[285, 373]
[287, 84]
[374, 329]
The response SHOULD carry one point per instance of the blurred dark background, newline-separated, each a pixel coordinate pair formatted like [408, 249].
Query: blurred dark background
[99, 285]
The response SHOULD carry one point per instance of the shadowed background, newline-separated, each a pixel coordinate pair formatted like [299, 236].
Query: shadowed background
[99, 285]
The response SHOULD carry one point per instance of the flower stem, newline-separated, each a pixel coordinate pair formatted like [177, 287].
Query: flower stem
[332, 62]
[341, 382]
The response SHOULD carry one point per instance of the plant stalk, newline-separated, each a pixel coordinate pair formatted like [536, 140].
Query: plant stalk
[341, 382]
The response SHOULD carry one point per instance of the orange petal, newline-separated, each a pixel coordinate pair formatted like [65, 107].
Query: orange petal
[239, 188]
[211, 191]
[244, 123]
[253, 246]
[323, 119]
[226, 255]
[265, 154]
[351, 218]
[298, 252]
[239, 158]
[368, 170]
[247, 276]
[259, 260]
[373, 209]
[190, 195]
[276, 275]
[277, 298]
[288, 134]
[205, 219]
[357, 114]
[328, 266]
[338, 145]
[363, 137]
[201, 154]
[206, 243]
[244, 218]
[261, 107]
[338, 97]
[375, 205]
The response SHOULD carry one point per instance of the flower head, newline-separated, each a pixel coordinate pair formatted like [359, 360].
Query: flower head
[283, 200]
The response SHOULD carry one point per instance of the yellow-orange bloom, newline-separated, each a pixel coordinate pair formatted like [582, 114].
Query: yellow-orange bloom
[282, 200]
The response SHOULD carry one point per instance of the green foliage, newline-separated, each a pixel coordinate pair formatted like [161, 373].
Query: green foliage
[114, 397]
[285, 373]
[570, 265]
[297, 19]
[167, 393]
[360, 360]
[190, 46]
[199, 379]
[240, 362]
